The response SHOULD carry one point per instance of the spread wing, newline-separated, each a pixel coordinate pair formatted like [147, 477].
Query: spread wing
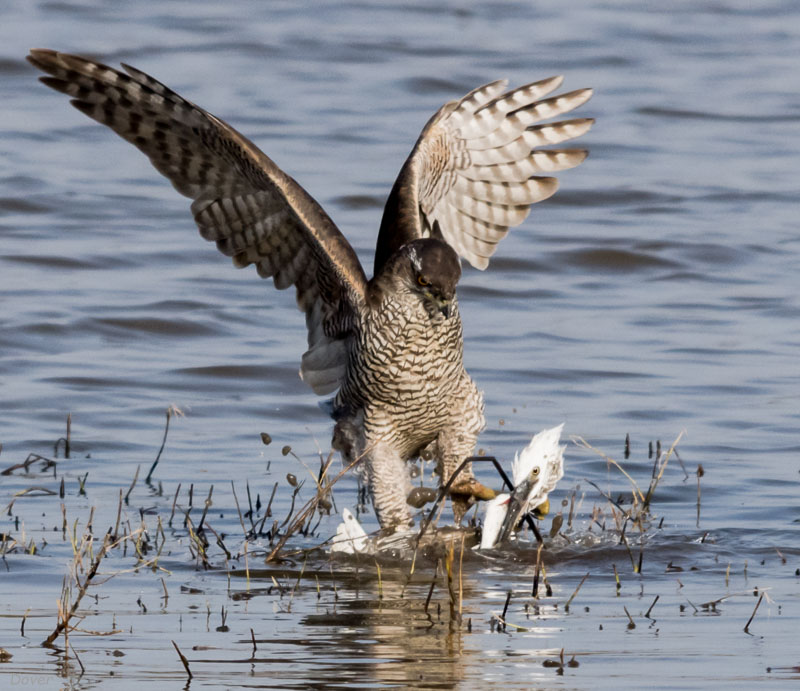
[254, 212]
[475, 169]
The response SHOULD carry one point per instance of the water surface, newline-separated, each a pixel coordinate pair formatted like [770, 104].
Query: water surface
[657, 292]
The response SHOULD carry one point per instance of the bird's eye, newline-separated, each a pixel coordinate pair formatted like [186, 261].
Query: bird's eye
[423, 281]
[535, 471]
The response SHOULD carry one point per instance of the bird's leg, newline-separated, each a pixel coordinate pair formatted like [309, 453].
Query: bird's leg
[452, 450]
[389, 484]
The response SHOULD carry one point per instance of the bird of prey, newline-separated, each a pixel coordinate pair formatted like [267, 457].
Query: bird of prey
[389, 347]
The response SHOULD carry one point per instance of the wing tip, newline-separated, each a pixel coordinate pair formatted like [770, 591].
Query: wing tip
[549, 186]
[580, 155]
[42, 59]
[550, 83]
[41, 54]
[477, 262]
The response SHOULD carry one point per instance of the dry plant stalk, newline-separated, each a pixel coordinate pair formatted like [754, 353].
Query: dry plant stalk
[654, 482]
[172, 410]
[461, 582]
[183, 659]
[67, 610]
[641, 500]
[572, 597]
[323, 490]
[637, 493]
[453, 596]
[537, 571]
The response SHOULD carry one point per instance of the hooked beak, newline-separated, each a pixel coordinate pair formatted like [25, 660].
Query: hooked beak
[443, 304]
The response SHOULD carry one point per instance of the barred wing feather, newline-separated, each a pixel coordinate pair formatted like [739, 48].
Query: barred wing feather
[242, 201]
[477, 168]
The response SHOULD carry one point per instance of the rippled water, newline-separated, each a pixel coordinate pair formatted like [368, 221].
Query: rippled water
[657, 292]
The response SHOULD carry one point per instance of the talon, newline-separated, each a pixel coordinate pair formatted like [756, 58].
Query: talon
[542, 510]
[473, 488]
[419, 496]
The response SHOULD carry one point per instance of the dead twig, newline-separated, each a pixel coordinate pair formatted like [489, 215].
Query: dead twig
[133, 484]
[68, 611]
[30, 460]
[183, 660]
[700, 473]
[650, 609]
[654, 482]
[580, 441]
[505, 623]
[172, 409]
[749, 621]
[311, 505]
[572, 597]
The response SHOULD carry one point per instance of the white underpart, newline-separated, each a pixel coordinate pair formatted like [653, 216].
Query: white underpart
[493, 520]
[544, 453]
[350, 537]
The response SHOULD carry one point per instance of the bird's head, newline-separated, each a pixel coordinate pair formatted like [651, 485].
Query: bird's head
[538, 468]
[534, 487]
[433, 270]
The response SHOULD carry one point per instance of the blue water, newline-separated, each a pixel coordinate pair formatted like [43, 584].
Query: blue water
[656, 293]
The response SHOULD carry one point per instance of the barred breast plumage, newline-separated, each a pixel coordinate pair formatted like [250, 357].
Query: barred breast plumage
[410, 364]
[391, 346]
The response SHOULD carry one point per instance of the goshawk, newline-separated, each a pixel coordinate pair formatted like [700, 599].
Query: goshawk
[390, 347]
